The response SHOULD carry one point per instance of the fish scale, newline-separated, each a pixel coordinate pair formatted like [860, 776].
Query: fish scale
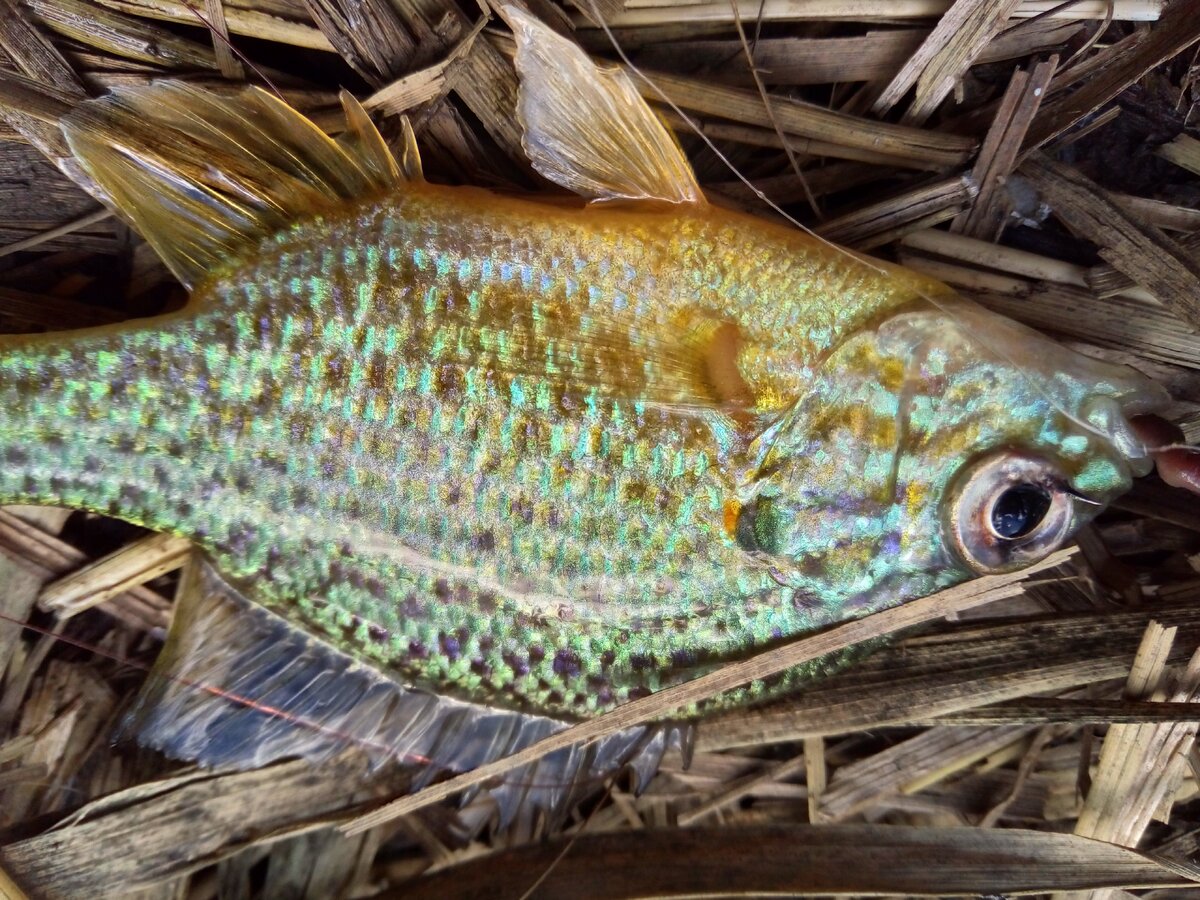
[307, 446]
[289, 445]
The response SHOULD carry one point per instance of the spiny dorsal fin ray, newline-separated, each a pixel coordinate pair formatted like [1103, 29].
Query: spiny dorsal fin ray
[362, 142]
[236, 685]
[587, 128]
[205, 177]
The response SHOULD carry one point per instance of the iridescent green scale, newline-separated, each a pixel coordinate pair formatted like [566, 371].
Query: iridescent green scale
[506, 533]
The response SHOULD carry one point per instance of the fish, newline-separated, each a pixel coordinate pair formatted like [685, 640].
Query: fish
[463, 467]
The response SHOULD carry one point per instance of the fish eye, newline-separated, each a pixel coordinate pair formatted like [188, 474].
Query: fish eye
[1019, 510]
[1007, 511]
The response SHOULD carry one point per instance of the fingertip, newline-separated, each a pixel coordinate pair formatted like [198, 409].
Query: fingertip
[1179, 468]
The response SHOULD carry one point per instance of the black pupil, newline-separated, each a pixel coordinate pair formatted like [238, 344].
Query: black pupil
[1019, 510]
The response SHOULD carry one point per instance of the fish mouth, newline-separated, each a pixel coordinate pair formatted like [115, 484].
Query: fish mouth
[1125, 421]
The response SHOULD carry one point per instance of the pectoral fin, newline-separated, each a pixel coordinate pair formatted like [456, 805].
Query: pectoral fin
[236, 685]
[587, 128]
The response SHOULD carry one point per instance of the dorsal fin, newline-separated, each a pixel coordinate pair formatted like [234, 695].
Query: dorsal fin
[587, 128]
[204, 177]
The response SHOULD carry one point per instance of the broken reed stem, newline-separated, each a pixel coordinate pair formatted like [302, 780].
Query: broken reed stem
[50, 234]
[745, 786]
[9, 889]
[238, 20]
[788, 10]
[129, 567]
[663, 703]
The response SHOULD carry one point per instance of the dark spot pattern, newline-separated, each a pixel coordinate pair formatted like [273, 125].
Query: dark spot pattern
[567, 663]
[641, 661]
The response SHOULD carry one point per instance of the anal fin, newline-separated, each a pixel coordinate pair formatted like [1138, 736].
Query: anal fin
[236, 685]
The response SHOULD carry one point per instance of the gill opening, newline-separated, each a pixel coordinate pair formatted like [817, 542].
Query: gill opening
[994, 352]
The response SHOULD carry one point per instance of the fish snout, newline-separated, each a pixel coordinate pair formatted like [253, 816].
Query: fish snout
[1116, 418]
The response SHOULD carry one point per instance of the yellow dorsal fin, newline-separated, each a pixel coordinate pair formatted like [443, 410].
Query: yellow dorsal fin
[204, 177]
[587, 128]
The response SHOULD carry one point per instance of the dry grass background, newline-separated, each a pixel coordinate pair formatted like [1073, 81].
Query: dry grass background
[1043, 157]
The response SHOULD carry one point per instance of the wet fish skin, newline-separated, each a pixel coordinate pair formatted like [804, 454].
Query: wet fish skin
[532, 456]
[393, 426]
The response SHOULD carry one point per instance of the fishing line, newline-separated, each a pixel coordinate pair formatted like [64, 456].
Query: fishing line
[570, 843]
[762, 91]
[233, 49]
[995, 352]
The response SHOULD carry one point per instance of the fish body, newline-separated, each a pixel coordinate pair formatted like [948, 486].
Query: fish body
[479, 431]
[549, 458]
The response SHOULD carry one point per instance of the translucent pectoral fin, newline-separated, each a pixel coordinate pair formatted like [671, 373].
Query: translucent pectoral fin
[587, 128]
[236, 685]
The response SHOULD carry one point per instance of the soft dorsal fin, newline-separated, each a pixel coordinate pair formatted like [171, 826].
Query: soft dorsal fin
[587, 128]
[204, 177]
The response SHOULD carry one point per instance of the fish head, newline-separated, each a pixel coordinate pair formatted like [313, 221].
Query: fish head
[941, 442]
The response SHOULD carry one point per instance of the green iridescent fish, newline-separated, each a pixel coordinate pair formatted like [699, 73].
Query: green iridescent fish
[466, 466]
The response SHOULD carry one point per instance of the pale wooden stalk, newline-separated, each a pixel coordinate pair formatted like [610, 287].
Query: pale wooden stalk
[33, 546]
[238, 19]
[939, 63]
[227, 61]
[746, 786]
[1107, 281]
[21, 587]
[998, 155]
[996, 674]
[763, 665]
[122, 35]
[1141, 766]
[916, 147]
[1158, 212]
[130, 566]
[9, 889]
[1130, 244]
[1184, 151]
[69, 705]
[816, 775]
[640, 15]
[764, 137]
[874, 56]
[923, 760]
[84, 221]
[915, 210]
[994, 256]
[1116, 68]
[410, 91]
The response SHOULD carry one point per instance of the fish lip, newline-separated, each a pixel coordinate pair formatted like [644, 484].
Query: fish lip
[1148, 398]
[1112, 418]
